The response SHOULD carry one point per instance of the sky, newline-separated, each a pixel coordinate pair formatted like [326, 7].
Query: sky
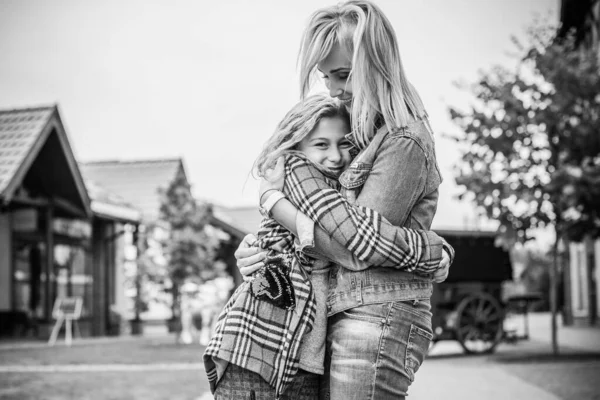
[208, 81]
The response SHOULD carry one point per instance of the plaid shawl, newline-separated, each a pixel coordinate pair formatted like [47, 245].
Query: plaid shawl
[260, 337]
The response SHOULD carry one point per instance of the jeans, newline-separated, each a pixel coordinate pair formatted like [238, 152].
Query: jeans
[374, 351]
[241, 384]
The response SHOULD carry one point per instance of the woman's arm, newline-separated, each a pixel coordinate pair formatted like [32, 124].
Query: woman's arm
[361, 230]
[324, 247]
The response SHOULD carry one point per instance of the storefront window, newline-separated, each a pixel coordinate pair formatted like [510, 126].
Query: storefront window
[28, 278]
[73, 275]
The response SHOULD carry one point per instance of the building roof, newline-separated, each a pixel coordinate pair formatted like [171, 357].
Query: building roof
[238, 221]
[109, 205]
[35, 152]
[136, 182]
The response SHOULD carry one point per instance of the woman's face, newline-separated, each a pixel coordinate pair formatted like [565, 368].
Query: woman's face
[327, 145]
[336, 69]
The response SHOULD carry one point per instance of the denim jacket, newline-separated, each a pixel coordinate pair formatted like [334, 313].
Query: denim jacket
[398, 176]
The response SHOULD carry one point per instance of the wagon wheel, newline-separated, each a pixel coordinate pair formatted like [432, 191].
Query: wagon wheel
[479, 323]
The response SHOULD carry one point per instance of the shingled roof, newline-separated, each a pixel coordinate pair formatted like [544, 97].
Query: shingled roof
[237, 221]
[35, 151]
[136, 182]
[109, 205]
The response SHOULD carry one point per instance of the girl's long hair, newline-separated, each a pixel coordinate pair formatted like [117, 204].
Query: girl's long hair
[297, 124]
[380, 89]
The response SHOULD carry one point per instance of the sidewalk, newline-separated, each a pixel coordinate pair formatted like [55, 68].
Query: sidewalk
[523, 370]
[449, 379]
[582, 338]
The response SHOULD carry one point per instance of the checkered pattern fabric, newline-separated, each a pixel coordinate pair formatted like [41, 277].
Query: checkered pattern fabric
[265, 339]
[257, 335]
[241, 384]
[361, 230]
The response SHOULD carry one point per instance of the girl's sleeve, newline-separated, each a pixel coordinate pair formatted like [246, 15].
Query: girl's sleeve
[271, 235]
[364, 232]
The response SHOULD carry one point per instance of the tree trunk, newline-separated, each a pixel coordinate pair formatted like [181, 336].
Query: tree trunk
[554, 294]
[175, 322]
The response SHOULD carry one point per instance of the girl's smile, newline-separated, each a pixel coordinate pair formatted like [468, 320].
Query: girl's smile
[327, 145]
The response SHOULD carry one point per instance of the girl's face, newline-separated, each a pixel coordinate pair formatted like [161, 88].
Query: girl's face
[336, 69]
[327, 145]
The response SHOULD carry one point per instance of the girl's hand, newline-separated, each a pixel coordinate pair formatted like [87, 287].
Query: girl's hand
[249, 258]
[441, 273]
[273, 179]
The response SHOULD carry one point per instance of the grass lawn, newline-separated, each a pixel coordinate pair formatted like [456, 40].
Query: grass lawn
[138, 351]
[159, 385]
[151, 384]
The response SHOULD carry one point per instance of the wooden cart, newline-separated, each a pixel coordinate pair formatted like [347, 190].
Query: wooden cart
[469, 306]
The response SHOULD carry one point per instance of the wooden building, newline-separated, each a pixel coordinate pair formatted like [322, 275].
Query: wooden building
[582, 272]
[237, 222]
[57, 239]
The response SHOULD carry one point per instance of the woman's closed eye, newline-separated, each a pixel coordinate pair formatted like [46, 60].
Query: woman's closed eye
[341, 76]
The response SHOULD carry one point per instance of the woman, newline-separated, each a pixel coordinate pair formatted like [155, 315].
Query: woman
[379, 318]
[270, 337]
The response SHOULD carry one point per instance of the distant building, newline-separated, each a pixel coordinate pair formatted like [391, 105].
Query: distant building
[582, 280]
[139, 182]
[583, 17]
[58, 238]
[237, 222]
[136, 181]
[582, 274]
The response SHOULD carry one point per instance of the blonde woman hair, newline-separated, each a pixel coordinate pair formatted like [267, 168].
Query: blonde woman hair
[381, 92]
[297, 124]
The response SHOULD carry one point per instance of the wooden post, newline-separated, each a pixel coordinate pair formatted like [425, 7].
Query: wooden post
[554, 295]
[49, 264]
[591, 282]
[138, 238]
[567, 289]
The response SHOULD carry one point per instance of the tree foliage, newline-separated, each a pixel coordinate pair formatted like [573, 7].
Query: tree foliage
[189, 247]
[531, 142]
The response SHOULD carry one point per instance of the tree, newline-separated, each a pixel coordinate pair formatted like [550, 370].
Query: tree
[189, 248]
[531, 143]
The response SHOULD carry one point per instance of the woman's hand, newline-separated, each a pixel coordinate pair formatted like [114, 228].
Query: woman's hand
[249, 258]
[273, 179]
[441, 273]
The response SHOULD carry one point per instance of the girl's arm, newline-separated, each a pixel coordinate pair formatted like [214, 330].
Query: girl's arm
[369, 236]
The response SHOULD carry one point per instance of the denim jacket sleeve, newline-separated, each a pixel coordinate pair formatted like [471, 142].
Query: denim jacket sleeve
[397, 179]
[369, 236]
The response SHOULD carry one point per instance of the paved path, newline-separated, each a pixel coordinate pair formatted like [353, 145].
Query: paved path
[448, 374]
[583, 338]
[449, 378]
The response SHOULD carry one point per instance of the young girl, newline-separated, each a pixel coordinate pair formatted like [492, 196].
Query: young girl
[269, 340]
